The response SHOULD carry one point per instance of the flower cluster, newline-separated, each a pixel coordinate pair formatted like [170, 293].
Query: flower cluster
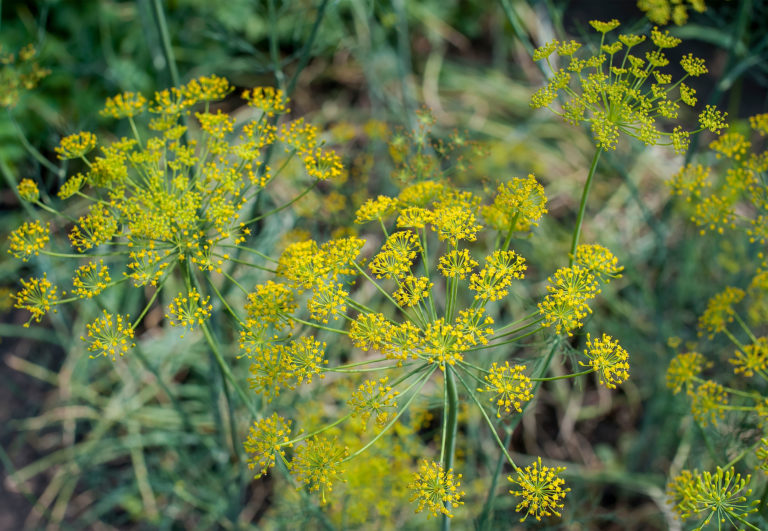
[178, 197]
[19, 72]
[436, 489]
[721, 496]
[608, 359]
[728, 195]
[541, 490]
[619, 92]
[664, 11]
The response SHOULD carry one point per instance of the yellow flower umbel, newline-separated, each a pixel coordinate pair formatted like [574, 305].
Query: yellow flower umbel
[511, 387]
[722, 496]
[189, 310]
[751, 359]
[267, 438]
[109, 335]
[620, 93]
[90, 279]
[37, 296]
[76, 145]
[720, 310]
[566, 304]
[28, 240]
[684, 369]
[374, 398]
[663, 11]
[541, 490]
[435, 489]
[708, 402]
[28, 191]
[318, 464]
[608, 359]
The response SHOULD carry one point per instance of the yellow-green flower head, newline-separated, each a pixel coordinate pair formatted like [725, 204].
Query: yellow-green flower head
[541, 490]
[19, 73]
[712, 119]
[474, 325]
[374, 398]
[733, 145]
[28, 191]
[90, 279]
[566, 304]
[376, 209]
[71, 186]
[721, 496]
[456, 263]
[125, 105]
[323, 165]
[501, 268]
[664, 11]
[76, 145]
[318, 464]
[720, 310]
[684, 369]
[604, 27]
[690, 181]
[29, 239]
[94, 229]
[189, 310]
[708, 402]
[759, 123]
[267, 439]
[510, 386]
[443, 343]
[109, 335]
[611, 92]
[307, 358]
[328, 301]
[412, 290]
[751, 358]
[517, 206]
[664, 40]
[38, 296]
[599, 261]
[396, 255]
[271, 368]
[303, 264]
[370, 331]
[761, 453]
[271, 302]
[206, 88]
[435, 489]
[271, 101]
[608, 359]
[453, 223]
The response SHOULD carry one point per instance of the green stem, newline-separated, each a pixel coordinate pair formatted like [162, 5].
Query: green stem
[450, 427]
[165, 38]
[227, 372]
[583, 205]
[564, 376]
[32, 150]
[304, 59]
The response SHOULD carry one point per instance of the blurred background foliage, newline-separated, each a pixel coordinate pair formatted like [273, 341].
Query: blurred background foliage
[89, 444]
